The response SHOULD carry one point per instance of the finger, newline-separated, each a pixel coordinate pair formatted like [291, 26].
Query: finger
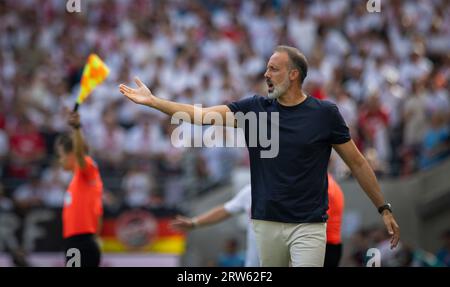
[138, 82]
[127, 93]
[394, 241]
[126, 89]
[389, 228]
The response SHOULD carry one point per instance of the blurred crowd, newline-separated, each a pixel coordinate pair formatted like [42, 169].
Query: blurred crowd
[405, 255]
[388, 73]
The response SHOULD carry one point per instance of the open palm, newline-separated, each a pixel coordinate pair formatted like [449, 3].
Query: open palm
[181, 223]
[141, 95]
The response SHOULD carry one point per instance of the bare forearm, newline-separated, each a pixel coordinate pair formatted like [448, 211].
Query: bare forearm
[215, 215]
[190, 113]
[368, 182]
[170, 108]
[78, 146]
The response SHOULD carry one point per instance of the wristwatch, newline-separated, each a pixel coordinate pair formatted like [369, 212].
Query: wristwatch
[384, 207]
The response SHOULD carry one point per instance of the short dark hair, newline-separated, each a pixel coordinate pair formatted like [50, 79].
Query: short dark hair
[65, 141]
[297, 59]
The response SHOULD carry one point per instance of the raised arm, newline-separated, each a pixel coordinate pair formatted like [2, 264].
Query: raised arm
[77, 136]
[367, 180]
[196, 115]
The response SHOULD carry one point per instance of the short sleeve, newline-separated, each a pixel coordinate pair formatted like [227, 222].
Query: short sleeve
[89, 170]
[238, 203]
[244, 105]
[339, 130]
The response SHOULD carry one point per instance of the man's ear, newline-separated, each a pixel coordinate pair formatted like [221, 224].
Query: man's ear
[294, 74]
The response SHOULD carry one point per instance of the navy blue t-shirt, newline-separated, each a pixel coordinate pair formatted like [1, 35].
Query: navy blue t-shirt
[292, 186]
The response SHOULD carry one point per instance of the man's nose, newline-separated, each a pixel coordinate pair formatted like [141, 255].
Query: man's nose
[266, 75]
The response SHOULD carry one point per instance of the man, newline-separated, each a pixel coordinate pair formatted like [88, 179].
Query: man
[241, 203]
[289, 197]
[82, 209]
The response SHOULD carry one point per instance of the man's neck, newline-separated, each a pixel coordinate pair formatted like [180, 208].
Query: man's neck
[292, 98]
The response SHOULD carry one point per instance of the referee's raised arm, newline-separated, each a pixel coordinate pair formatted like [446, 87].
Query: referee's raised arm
[196, 115]
[79, 146]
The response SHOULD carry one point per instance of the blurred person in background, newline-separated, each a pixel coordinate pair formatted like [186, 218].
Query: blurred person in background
[138, 186]
[239, 204]
[409, 256]
[231, 256]
[27, 148]
[54, 182]
[6, 204]
[443, 254]
[373, 123]
[360, 243]
[336, 204]
[144, 140]
[29, 195]
[82, 211]
[4, 150]
[414, 126]
[435, 144]
[107, 141]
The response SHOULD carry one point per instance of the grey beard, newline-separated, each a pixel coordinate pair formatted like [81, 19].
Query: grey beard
[282, 88]
[273, 95]
[278, 92]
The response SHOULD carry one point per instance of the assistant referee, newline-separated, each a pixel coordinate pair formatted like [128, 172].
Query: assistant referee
[82, 211]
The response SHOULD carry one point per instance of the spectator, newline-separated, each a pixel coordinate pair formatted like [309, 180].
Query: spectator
[4, 150]
[231, 256]
[108, 140]
[435, 145]
[373, 122]
[414, 117]
[6, 204]
[27, 148]
[444, 253]
[54, 183]
[144, 140]
[29, 195]
[138, 186]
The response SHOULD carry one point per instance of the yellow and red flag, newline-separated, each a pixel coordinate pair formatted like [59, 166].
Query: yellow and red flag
[94, 73]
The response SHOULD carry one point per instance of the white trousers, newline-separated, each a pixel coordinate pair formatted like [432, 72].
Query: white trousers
[296, 244]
